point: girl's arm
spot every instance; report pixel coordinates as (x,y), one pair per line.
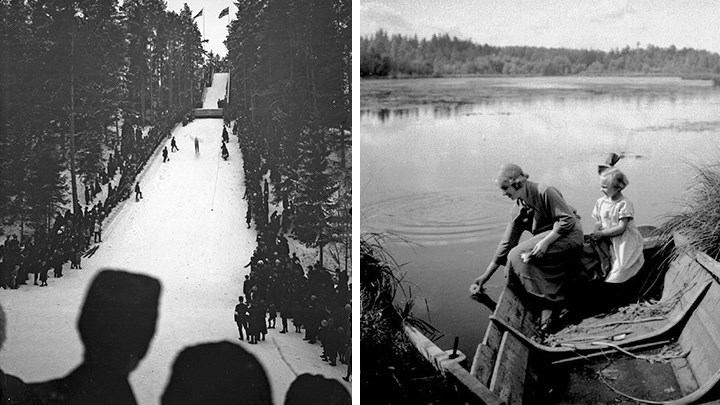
(616,230)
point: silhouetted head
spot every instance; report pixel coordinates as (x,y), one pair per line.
(217,373)
(118,319)
(310,389)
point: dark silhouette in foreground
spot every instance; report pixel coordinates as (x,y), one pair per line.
(217,373)
(11,388)
(311,389)
(116,325)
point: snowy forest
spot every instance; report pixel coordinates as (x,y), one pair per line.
(290,73)
(81,79)
(384,55)
(72,73)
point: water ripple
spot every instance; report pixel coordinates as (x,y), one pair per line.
(439,217)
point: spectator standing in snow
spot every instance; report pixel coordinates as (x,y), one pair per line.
(57,263)
(253,328)
(225,137)
(97,230)
(138,193)
(247,285)
(44,268)
(173,145)
(272,315)
(241,318)
(87,194)
(165,154)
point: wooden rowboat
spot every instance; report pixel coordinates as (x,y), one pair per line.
(666,351)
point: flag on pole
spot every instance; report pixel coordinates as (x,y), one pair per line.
(198,14)
(224,12)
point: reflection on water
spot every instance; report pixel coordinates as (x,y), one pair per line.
(430,150)
(437,218)
(437,112)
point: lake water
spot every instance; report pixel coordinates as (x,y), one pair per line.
(430,148)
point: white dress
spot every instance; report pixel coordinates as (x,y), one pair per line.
(626,249)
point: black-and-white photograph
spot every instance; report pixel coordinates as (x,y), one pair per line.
(539,201)
(175,202)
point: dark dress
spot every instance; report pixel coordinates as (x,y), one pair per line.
(540,210)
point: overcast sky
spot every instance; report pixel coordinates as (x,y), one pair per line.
(589,24)
(215,29)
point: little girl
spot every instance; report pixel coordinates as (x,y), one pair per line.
(613,215)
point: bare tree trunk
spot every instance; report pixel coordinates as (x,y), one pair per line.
(142,96)
(170,85)
(73,182)
(311,79)
(152,97)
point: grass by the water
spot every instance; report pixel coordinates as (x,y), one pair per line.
(698,221)
(393,371)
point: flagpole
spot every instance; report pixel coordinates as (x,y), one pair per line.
(203,26)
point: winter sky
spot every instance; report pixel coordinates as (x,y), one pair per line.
(215,28)
(585,24)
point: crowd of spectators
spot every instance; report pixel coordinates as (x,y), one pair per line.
(71,234)
(316,299)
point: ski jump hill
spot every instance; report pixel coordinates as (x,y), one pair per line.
(189,232)
(218,91)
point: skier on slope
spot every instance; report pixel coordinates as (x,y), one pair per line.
(224,152)
(173,145)
(165,154)
(138,193)
(225,137)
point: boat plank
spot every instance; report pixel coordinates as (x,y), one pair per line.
(441,361)
(679,277)
(480,368)
(711,265)
(513,311)
(508,378)
(684,375)
(704,355)
(492,340)
(479,390)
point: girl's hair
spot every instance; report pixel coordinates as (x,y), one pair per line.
(617,177)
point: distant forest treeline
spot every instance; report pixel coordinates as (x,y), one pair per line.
(399,56)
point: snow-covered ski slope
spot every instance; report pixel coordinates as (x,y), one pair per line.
(189,231)
(217,91)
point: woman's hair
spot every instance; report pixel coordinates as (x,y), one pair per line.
(617,178)
(511,174)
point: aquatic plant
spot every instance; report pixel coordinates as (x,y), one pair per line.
(392,371)
(698,220)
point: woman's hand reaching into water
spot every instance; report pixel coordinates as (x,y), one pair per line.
(478,285)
